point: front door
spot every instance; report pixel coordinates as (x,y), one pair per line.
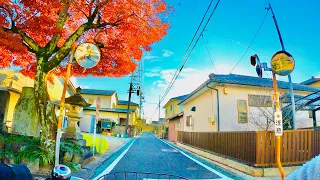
(4,100)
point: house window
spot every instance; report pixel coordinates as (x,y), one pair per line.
(242,111)
(181,108)
(166,111)
(259,100)
(189,121)
(171,107)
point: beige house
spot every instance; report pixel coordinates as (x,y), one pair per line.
(111,109)
(174,116)
(237,103)
(11,84)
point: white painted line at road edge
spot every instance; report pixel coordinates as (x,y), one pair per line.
(115,162)
(223,177)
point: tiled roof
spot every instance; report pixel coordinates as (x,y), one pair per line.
(180,97)
(310,81)
(262,82)
(250,81)
(159,122)
(121,102)
(108,109)
(177,98)
(97,92)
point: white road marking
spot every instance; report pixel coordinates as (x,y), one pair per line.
(223,177)
(114,163)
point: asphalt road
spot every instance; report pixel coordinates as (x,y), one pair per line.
(149,154)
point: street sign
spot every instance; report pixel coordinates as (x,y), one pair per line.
(282,63)
(278,129)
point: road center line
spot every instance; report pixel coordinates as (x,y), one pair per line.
(115,162)
(223,177)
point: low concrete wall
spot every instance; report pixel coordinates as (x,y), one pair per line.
(250,170)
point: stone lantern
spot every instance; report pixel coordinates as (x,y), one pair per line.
(74,111)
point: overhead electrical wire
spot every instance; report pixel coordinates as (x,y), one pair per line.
(183,60)
(187,58)
(254,37)
(205,44)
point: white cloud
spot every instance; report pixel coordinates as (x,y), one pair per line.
(167,53)
(148,57)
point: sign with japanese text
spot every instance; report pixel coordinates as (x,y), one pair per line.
(278,128)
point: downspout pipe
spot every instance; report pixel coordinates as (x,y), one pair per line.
(218,104)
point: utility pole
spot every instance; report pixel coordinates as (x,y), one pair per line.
(129,102)
(159,107)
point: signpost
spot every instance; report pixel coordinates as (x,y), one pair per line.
(98,104)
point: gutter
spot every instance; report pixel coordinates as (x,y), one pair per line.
(218,105)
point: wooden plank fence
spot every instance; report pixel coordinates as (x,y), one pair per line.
(257,147)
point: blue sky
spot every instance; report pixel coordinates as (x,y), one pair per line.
(230,30)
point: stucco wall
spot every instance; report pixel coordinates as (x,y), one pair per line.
(206,106)
(175,108)
(172,131)
(105,100)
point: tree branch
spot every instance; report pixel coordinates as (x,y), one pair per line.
(29,41)
(63,16)
(66,47)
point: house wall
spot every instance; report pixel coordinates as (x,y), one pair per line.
(175,108)
(206,106)
(174,127)
(54,90)
(124,106)
(316,84)
(105,100)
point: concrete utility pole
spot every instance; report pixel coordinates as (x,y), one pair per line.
(129,102)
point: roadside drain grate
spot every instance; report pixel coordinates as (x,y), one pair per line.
(169,150)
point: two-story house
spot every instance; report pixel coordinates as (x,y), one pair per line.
(111,109)
(173,115)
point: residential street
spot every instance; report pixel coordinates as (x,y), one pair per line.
(149,154)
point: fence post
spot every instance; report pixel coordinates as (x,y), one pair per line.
(257,147)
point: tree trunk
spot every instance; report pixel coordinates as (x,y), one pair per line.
(45,109)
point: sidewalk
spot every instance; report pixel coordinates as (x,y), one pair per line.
(226,168)
(115,144)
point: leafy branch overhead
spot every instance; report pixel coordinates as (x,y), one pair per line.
(123,29)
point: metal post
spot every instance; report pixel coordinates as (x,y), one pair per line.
(62,105)
(129,102)
(289,76)
(278,138)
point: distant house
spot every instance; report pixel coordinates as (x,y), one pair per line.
(11,84)
(111,109)
(236,102)
(174,116)
(313,81)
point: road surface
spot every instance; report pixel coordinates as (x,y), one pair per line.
(149,154)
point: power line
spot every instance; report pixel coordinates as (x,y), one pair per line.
(205,43)
(174,78)
(254,37)
(180,64)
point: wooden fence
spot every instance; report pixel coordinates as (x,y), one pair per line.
(257,147)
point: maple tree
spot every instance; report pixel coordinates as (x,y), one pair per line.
(37,36)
